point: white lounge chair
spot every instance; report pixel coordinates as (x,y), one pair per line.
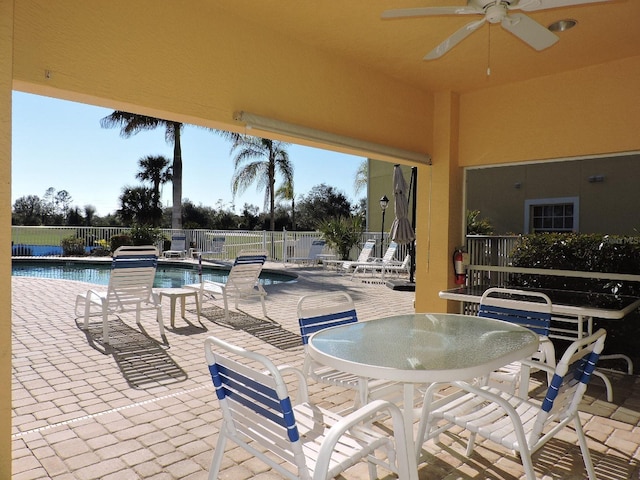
(213,246)
(296,439)
(130,288)
(365,255)
(315,250)
(178,247)
(397,267)
(242,282)
(375,264)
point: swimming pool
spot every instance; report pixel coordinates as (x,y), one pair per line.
(168,275)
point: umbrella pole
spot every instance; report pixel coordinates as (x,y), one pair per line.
(414,189)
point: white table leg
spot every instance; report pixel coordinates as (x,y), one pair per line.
(412,461)
(173,310)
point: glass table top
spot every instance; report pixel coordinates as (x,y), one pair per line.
(423,347)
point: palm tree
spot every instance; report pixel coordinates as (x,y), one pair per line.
(156,170)
(286,192)
(135,206)
(362,177)
(132,123)
(258,160)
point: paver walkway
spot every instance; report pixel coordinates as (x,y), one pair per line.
(140,410)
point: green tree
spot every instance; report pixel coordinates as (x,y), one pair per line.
(89,214)
(155,169)
(135,206)
(320,203)
(258,160)
(285,192)
(63,203)
(132,123)
(27,210)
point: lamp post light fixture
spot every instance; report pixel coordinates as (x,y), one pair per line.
(384,203)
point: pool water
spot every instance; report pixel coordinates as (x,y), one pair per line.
(167,276)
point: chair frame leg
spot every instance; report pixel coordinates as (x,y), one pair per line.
(584,448)
(218,455)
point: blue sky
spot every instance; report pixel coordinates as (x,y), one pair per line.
(60,144)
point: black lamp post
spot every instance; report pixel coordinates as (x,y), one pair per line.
(384,202)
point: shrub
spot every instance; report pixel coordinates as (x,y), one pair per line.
(588,253)
(578,252)
(72,246)
(119,240)
(342,233)
(477,225)
(145,235)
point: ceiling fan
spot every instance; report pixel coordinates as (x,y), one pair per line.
(493,11)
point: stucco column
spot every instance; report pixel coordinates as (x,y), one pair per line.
(6,76)
(440,208)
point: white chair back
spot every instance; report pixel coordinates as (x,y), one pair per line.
(256,409)
(133,270)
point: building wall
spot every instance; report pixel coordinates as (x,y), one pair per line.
(608,205)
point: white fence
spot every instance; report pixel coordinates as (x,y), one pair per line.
(217,244)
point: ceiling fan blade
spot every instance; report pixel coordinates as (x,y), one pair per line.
(454,39)
(532,5)
(529,31)
(428,11)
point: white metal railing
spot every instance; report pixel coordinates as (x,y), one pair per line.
(489,251)
(490,263)
(218,244)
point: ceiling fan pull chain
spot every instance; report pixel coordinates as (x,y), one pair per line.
(489,52)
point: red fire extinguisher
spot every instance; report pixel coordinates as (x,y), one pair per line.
(458,267)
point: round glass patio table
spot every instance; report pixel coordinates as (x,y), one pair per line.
(422,348)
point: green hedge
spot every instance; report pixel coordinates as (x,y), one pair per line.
(588,253)
(578,252)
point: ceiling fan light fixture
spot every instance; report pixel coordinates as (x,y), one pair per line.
(562,25)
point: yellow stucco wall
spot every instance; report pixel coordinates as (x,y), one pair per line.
(6,25)
(591,111)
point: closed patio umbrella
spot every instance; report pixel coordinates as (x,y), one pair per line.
(401,229)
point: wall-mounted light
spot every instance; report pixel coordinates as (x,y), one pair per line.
(369,149)
(596,178)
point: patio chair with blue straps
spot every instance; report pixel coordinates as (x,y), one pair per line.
(130,288)
(527,308)
(323,310)
(518,424)
(298,440)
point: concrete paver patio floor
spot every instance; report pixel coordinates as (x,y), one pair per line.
(140,409)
